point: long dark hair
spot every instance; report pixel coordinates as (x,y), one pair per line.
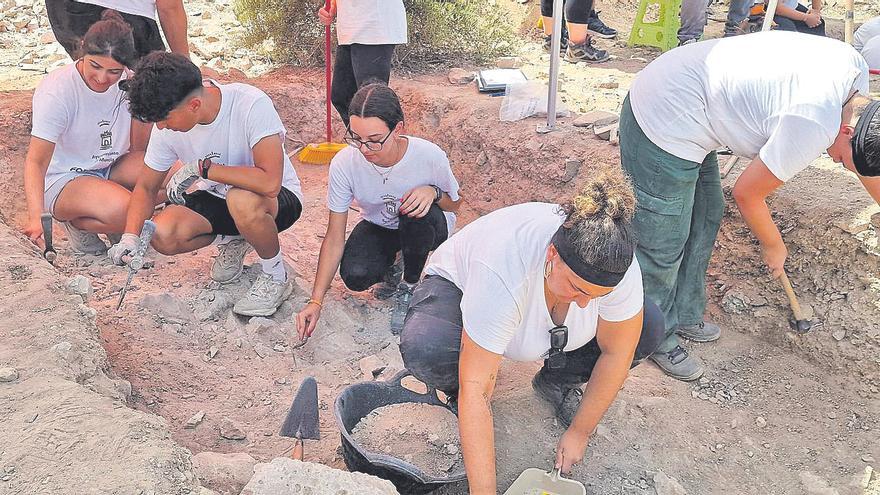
(377,100)
(110,37)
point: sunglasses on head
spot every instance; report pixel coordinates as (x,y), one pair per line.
(558,340)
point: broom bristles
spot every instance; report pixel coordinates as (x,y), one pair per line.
(320,154)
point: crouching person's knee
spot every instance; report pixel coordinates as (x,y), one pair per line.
(653,331)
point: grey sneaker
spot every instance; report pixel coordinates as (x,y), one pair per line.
(264,296)
(585,52)
(678,364)
(701,332)
(82,241)
(388,286)
(565,399)
(229,264)
(401,305)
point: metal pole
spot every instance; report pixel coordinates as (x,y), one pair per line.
(768,15)
(555,41)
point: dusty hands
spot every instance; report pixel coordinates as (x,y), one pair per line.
(306,320)
(570,449)
(417,202)
(126,246)
(182,180)
(813,19)
(327,16)
(34,230)
(774,257)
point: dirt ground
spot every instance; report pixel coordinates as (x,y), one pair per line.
(776,412)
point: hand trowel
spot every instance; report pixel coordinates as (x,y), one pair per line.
(534,481)
(301,422)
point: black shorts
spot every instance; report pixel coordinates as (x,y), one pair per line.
(71,20)
(216,211)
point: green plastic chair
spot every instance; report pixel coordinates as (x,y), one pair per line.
(662,34)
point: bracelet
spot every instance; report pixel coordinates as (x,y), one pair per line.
(438,192)
(315,301)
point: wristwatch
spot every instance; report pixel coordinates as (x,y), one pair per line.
(438,192)
(204,166)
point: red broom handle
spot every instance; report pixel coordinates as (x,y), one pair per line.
(327,75)
(874,71)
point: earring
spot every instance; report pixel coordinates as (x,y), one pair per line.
(548,267)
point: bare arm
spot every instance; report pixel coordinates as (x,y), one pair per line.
(264,177)
(477,370)
(618,341)
(140,135)
(447,204)
(750,192)
(328,262)
(143,199)
(172,17)
(35,165)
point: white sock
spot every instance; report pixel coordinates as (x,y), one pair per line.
(274,266)
(223,239)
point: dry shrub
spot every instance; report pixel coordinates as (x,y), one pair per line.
(441,32)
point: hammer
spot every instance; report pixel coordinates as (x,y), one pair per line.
(49,251)
(801,324)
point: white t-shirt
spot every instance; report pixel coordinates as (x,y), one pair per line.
(90,130)
(370,22)
(145,8)
(246,116)
(868,30)
(498,261)
(378,190)
(871,52)
(763,94)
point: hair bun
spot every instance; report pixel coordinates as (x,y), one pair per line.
(606,194)
(111,15)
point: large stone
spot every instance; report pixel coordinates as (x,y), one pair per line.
(284,475)
(8,374)
(665,485)
(231,431)
(223,473)
(80,285)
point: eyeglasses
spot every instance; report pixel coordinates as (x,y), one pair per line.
(371,145)
(558,340)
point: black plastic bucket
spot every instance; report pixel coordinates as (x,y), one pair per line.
(359,400)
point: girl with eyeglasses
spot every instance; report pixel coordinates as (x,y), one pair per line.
(85,149)
(407,196)
(535,281)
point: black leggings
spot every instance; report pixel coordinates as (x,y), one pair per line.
(431,340)
(356,65)
(71,20)
(371,249)
(576,11)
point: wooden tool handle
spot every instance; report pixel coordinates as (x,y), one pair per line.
(297,450)
(792,298)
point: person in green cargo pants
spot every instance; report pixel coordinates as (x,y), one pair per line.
(765,98)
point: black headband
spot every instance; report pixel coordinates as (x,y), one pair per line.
(591,273)
(859,138)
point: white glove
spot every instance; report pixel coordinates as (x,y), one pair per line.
(182,180)
(126,246)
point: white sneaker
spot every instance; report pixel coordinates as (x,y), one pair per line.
(264,296)
(229,264)
(82,241)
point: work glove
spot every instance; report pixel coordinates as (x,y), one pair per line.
(182,180)
(127,246)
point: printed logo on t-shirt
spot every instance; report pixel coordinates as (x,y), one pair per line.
(211,156)
(391,209)
(106,135)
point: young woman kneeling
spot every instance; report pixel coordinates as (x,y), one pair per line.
(407,194)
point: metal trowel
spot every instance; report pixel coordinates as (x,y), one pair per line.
(301,422)
(534,481)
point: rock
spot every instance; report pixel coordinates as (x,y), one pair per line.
(166,306)
(508,63)
(79,285)
(231,431)
(838,334)
(452,449)
(212,352)
(572,167)
(207,15)
(605,132)
(434,440)
(868,458)
(265,331)
(875,220)
(735,302)
(664,485)
(223,473)
(195,420)
(371,367)
(8,375)
(47,38)
(460,76)
(261,350)
(609,84)
(760,422)
(853,227)
(590,118)
(284,475)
